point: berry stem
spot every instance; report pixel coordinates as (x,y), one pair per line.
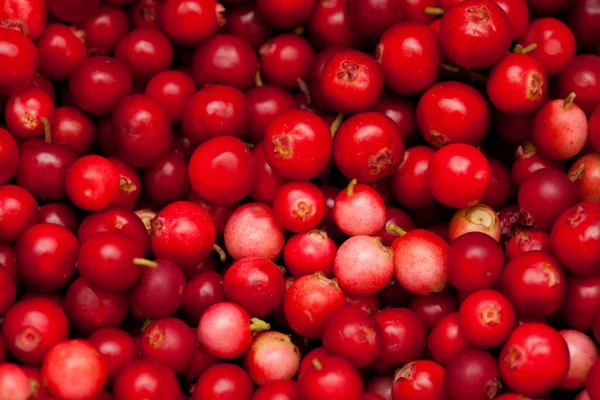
(257,79)
(577,174)
(147,322)
(336,123)
(526,151)
(396,229)
(350,188)
(299,30)
(450,68)
(145,263)
(219,250)
(434,11)
(258,325)
(303,86)
(317,364)
(529,48)
(569,100)
(47,130)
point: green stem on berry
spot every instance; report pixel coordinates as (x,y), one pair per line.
(147,322)
(257,79)
(336,123)
(396,229)
(303,86)
(145,263)
(317,364)
(350,188)
(577,174)
(47,130)
(219,250)
(524,50)
(434,11)
(258,325)
(569,100)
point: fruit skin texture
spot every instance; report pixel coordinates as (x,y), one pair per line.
(472,374)
(285,14)
(404,335)
(582,353)
(413,173)
(271,356)
(572,244)
(368,147)
(92,182)
(309,252)
(330,378)
(189,22)
(13,382)
(560,129)
(74,369)
(19,60)
(149,379)
(359,210)
(582,76)
(409,43)
(117,347)
(299,206)
(446,340)
(170,341)
(421,379)
(475,24)
(420,262)
(585,174)
(534,360)
(223,381)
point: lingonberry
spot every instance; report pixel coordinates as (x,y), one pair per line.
(359,210)
(171,90)
(201,292)
(31,327)
(330,377)
(160,291)
(255,283)
(285,14)
(581,21)
(190,22)
(466,115)
(582,354)
(473,374)
(500,188)
(394,217)
(297,145)
(47,254)
(365,303)
(222,180)
(316,293)
(475,23)
(372,18)
(404,335)
(380,385)
(528,161)
(268,182)
(28,112)
(253,231)
(413,173)
(419,379)
(216,110)
(225,330)
(98,83)
(415,10)
(13,381)
(363,265)
(28,17)
(8,262)
(118,349)
(402,112)
(582,76)
(283,389)
(306,362)
(72,10)
(299,206)
(525,241)
(478,218)
(90,309)
(420,261)
(104,28)
(9,292)
(225,381)
(182,232)
(585,174)
(74,369)
(145,52)
(219,213)
(534,360)
(114,220)
(73,128)
(19,59)
(60,51)
(351,82)
(43,167)
(446,340)
(434,307)
(167,181)
(368,147)
(526,81)
(535,284)
(146,379)
(409,43)
(145,13)
(310,252)
(486,319)
(92,182)
(553,44)
(285,59)
(170,341)
(518,14)
(243,21)
(329,26)
(265,103)
(560,129)
(225,59)
(271,356)
(182,146)
(545,194)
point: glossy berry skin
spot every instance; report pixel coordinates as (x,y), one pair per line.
(404,335)
(359,210)
(265,103)
(330,377)
(190,22)
(141,130)
(402,112)
(285,14)
(534,360)
(545,194)
(474,23)
(409,43)
(582,76)
(19,60)
(98,83)
(534,283)
(475,262)
(32,327)
(201,292)
(556,44)
(528,161)
(329,26)
(446,340)
(309,252)
(145,52)
(500,188)
(372,18)
(466,115)
(268,182)
(171,90)
(255,283)
(284,59)
(47,254)
(351,82)
(19,211)
(223,381)
(60,51)
(272,356)
(243,21)
(560,129)
(585,172)
(167,180)
(297,145)
(299,206)
(92,182)
(571,243)
(183,233)
(525,241)
(354,335)
(24,112)
(146,379)
(582,354)
(14,382)
(29,17)
(9,292)
(394,217)
(104,28)
(472,374)
(225,59)
(170,341)
(421,379)
(368,147)
(286,389)
(160,290)
(117,347)
(74,369)
(477,218)
(73,128)
(316,293)
(222,179)
(459,175)
(527,81)
(486,319)
(413,173)
(215,110)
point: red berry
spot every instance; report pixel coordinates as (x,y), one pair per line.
(9,156)
(19,60)
(29,17)
(372,18)
(413,173)
(268,182)
(582,76)
(73,128)
(472,374)
(446,339)
(145,13)
(477,218)
(146,379)
(330,377)
(13,382)
(28,112)
(104,28)
(500,188)
(170,341)
(285,59)
(359,210)
(118,349)
(525,241)
(92,182)
(145,52)
(528,161)
(190,22)
(309,252)
(283,389)
(582,355)
(518,14)
(329,26)
(402,112)
(285,14)
(201,292)
(171,90)
(115,220)
(272,356)
(404,335)
(265,103)
(420,379)
(160,291)
(299,206)
(226,381)
(585,174)
(582,21)
(242,20)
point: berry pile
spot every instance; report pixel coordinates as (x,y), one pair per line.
(299,199)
